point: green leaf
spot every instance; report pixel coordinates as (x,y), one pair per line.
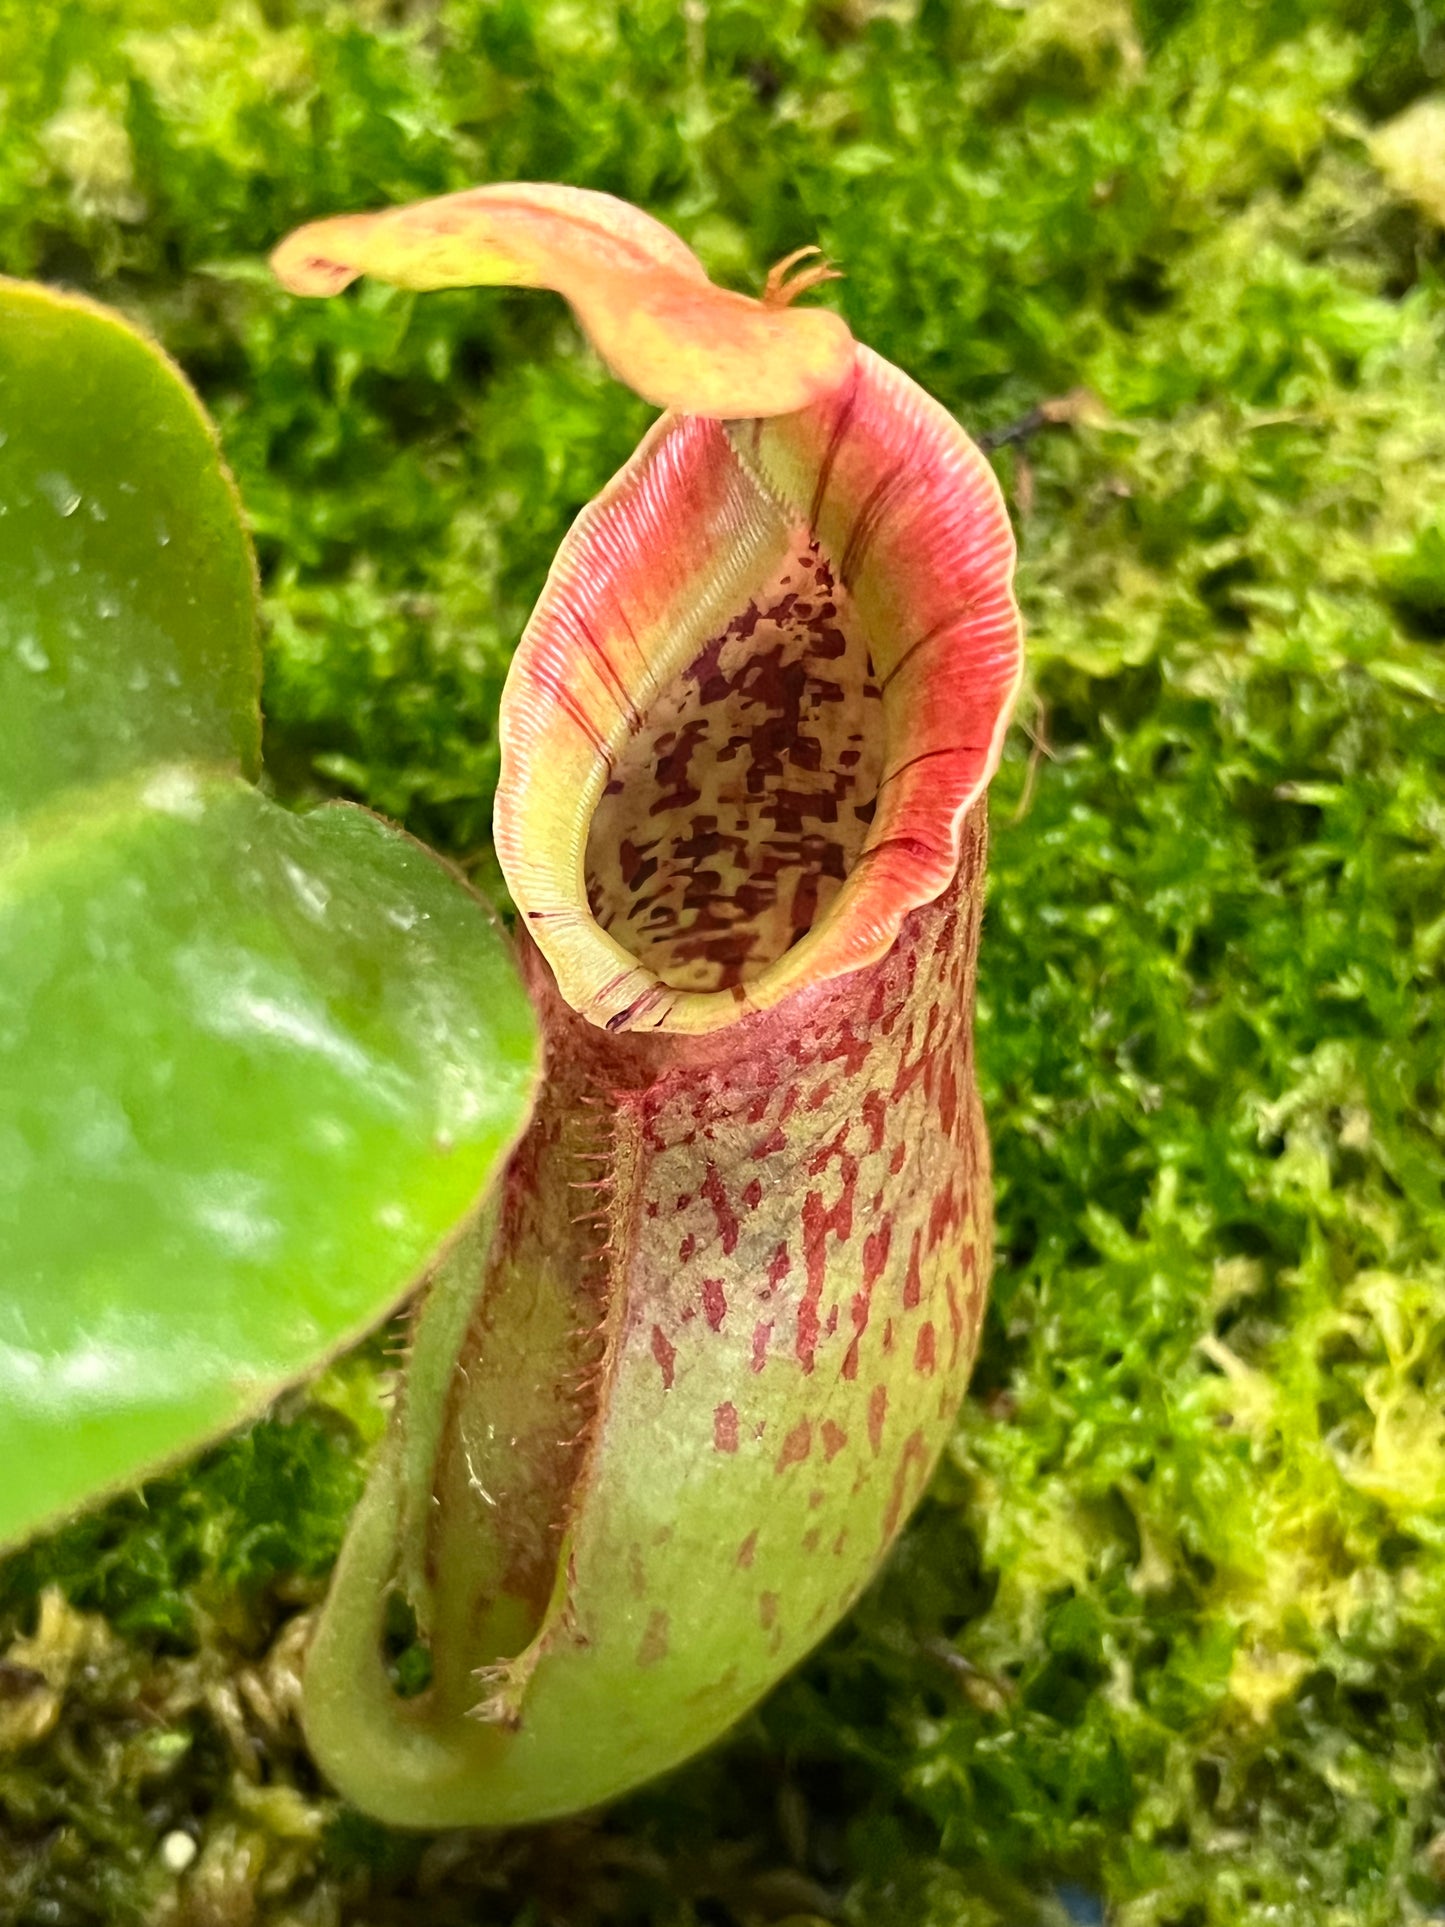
(127,588)
(257,1066)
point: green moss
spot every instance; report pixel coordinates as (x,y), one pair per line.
(1171,1627)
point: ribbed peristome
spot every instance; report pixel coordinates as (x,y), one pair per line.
(877,505)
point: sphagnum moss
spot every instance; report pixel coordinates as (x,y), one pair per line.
(1168,1632)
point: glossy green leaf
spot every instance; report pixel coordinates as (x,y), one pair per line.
(127,588)
(254,1068)
(257,1066)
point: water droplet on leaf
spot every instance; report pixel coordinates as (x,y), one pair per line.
(174,792)
(61,493)
(311,890)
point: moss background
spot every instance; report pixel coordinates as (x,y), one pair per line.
(1166,1645)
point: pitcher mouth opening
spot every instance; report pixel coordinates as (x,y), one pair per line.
(769,674)
(743,797)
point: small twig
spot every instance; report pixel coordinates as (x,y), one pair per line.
(1064,411)
(1039,748)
